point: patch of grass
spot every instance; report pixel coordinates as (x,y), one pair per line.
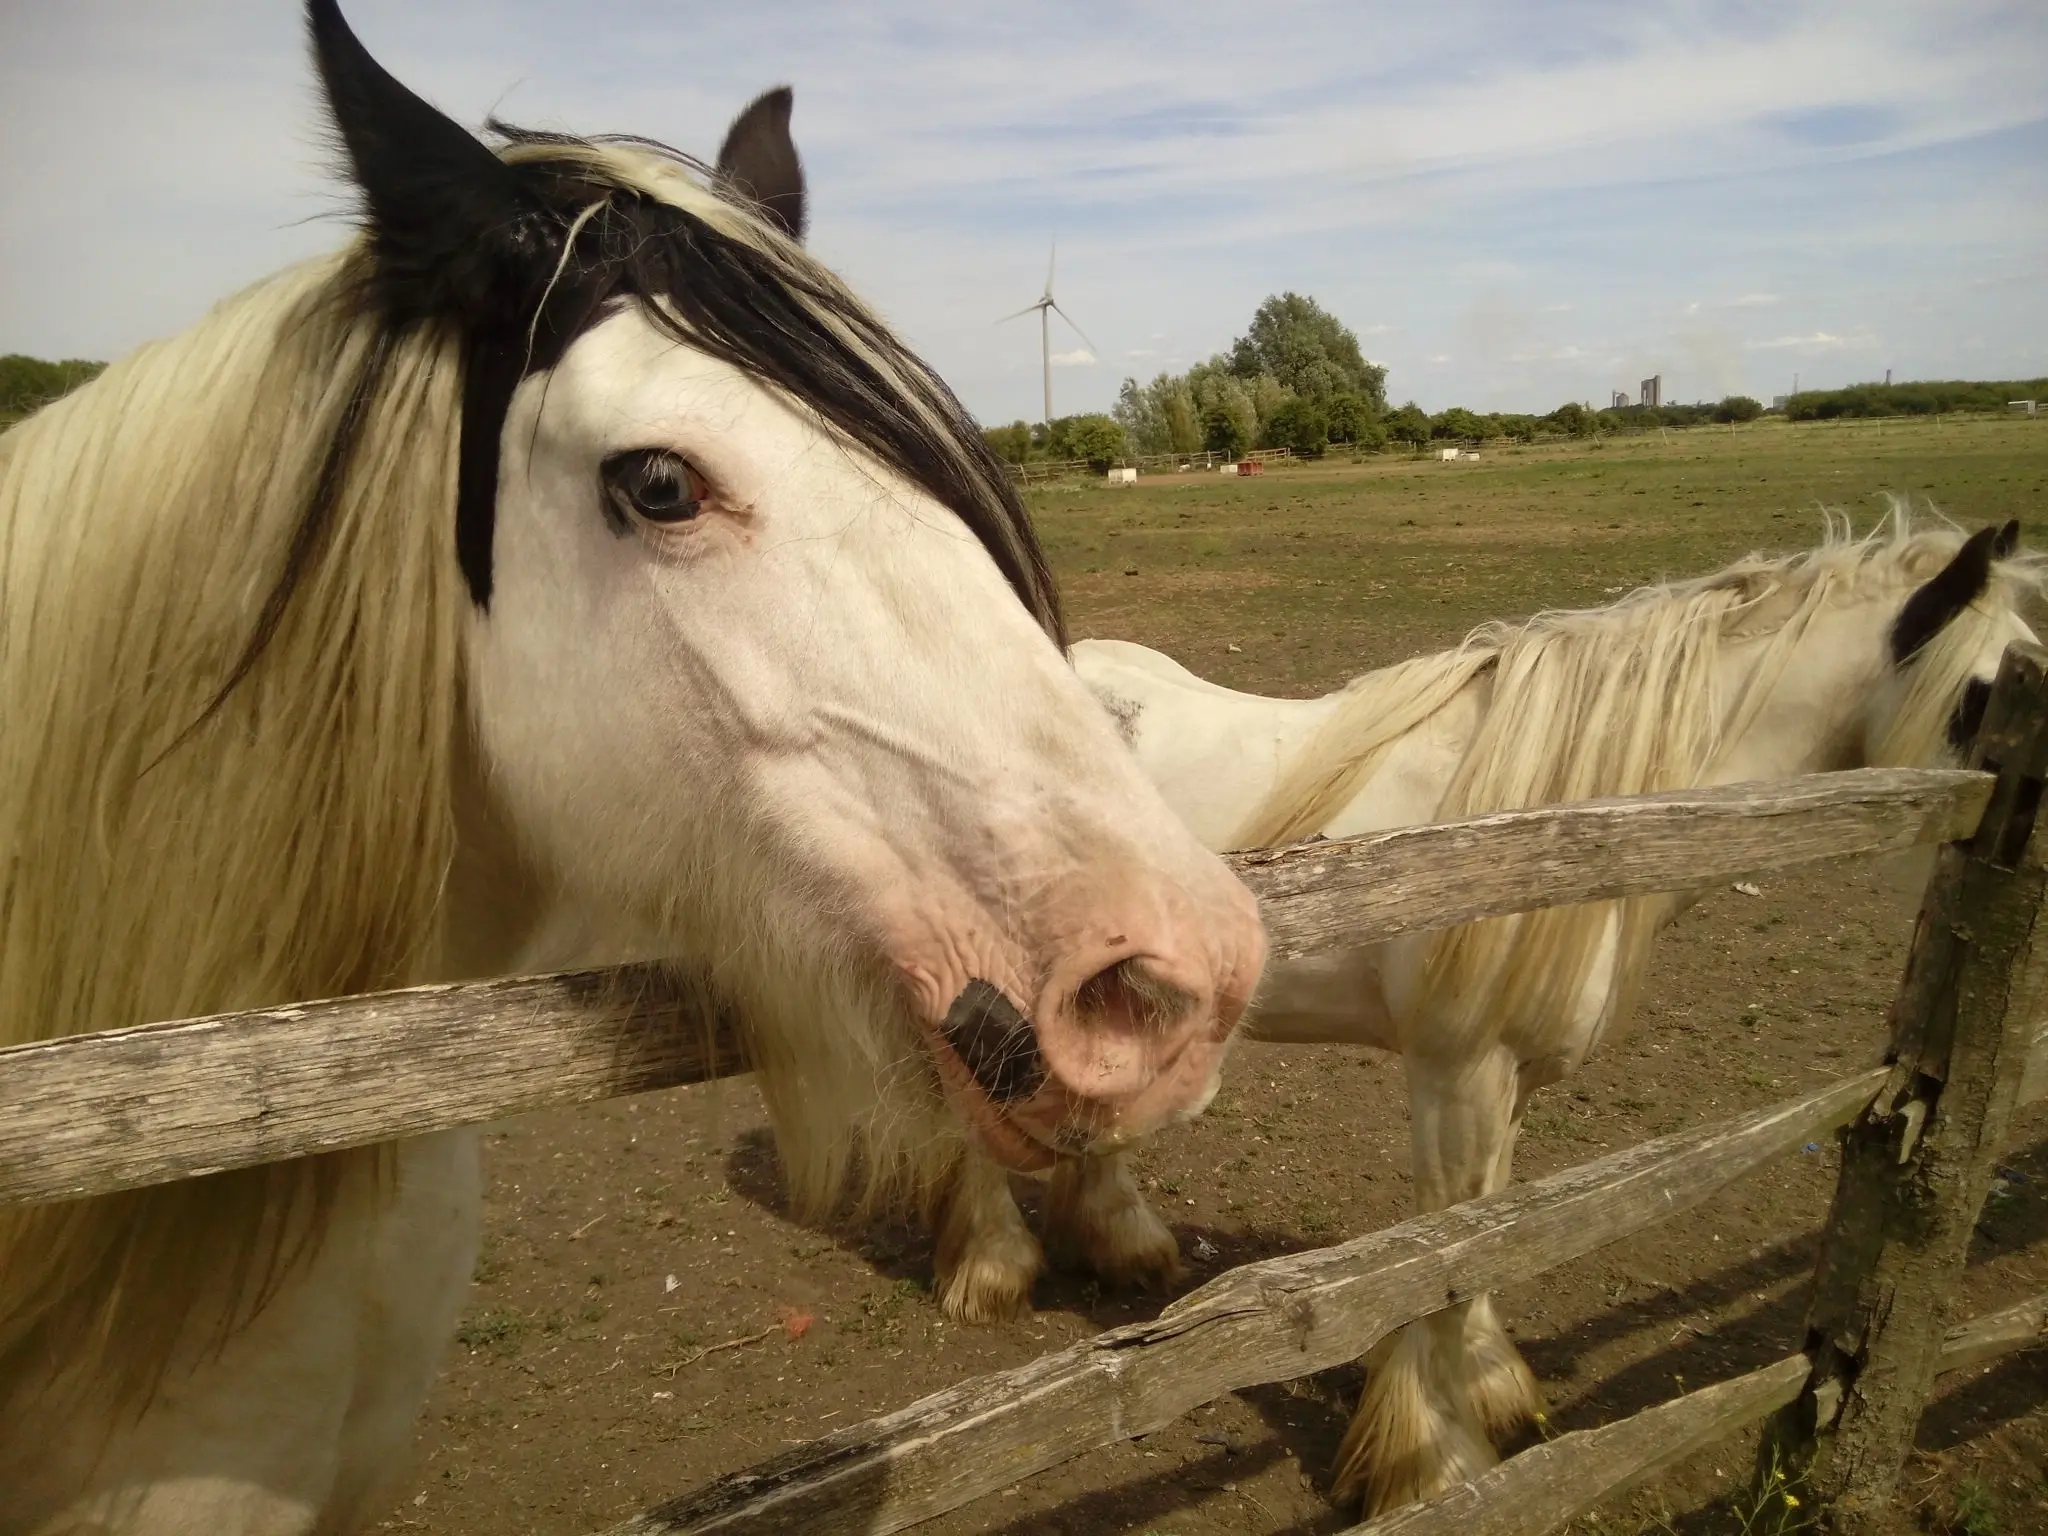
(1976,1511)
(498,1328)
(1291,557)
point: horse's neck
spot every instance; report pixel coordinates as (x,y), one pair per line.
(1215,754)
(1809,718)
(1410,781)
(502,918)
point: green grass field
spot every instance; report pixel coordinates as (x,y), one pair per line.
(1320,571)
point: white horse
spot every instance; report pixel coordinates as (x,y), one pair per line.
(567,570)
(1876,650)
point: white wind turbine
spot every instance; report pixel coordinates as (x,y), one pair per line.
(1048,305)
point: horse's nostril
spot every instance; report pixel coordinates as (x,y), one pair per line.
(996,1041)
(1128,996)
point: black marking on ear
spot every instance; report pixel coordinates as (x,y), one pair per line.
(1968,715)
(2008,540)
(454,234)
(996,1041)
(1947,593)
(759,161)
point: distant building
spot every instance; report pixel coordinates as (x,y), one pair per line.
(1779,402)
(1621,400)
(1653,391)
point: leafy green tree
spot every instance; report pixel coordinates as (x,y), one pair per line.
(1738,408)
(1571,418)
(1011,443)
(1223,431)
(1268,394)
(1139,412)
(1457,423)
(1095,437)
(1408,425)
(1183,419)
(1299,424)
(1308,350)
(1351,416)
(1215,388)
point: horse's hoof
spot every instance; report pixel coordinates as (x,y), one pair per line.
(1096,1219)
(988,1287)
(1504,1394)
(1380,1478)
(1409,1440)
(1135,1250)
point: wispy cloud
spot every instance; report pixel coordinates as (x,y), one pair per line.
(1815,341)
(1483,169)
(1080,357)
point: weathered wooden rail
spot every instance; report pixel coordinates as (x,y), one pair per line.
(89,1114)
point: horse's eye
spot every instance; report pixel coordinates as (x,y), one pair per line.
(654,485)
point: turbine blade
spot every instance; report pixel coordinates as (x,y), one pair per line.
(1050,262)
(1028,309)
(1070,322)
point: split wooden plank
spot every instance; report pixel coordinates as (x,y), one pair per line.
(90,1114)
(1549,1484)
(1270,1321)
(170,1101)
(1363,889)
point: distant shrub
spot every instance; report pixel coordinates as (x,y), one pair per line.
(1352,417)
(1738,408)
(1223,431)
(1298,424)
(29,383)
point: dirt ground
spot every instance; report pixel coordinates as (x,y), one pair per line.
(646,1318)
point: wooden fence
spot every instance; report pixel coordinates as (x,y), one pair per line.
(124,1108)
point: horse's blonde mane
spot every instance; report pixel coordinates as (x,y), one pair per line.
(201,813)
(167,858)
(1624,700)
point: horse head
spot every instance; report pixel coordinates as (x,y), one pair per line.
(762,660)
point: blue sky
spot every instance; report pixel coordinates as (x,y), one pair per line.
(1513,204)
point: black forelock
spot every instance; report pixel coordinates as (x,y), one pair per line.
(726,297)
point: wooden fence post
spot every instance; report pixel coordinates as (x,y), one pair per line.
(1917,1165)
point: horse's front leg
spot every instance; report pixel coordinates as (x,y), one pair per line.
(985,1256)
(1096,1219)
(1440,1389)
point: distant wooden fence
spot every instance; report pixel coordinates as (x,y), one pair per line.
(124,1108)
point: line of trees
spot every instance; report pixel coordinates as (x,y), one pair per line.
(1928,398)
(29,383)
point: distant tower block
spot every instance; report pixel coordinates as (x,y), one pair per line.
(1887,378)
(1653,391)
(1621,400)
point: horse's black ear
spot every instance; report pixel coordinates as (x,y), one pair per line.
(1947,593)
(445,214)
(758,160)
(2007,541)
